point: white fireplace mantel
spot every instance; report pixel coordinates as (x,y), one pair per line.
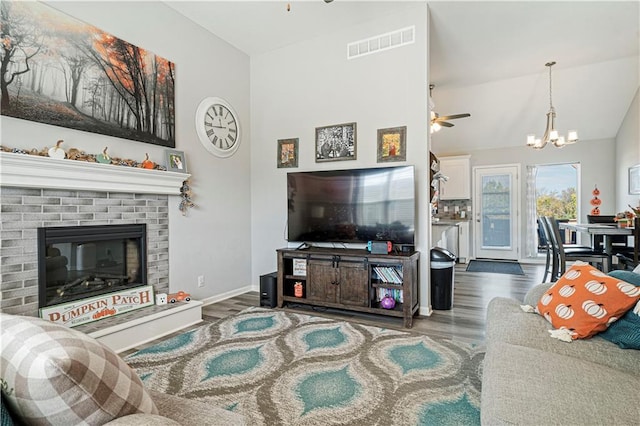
(31,171)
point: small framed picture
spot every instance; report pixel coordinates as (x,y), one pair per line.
(337,142)
(300,267)
(392,144)
(634,179)
(175,161)
(287,153)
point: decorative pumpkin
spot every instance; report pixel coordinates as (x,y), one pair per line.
(564,311)
(596,191)
(595,211)
(148,164)
(567,291)
(546,299)
(595,201)
(596,287)
(104,157)
(597,273)
(628,289)
(593,309)
(56,151)
(388,302)
(572,274)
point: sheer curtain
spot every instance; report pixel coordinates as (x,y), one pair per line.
(531,216)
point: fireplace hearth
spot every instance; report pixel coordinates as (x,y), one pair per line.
(79,262)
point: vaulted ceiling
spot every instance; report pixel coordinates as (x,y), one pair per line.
(486,58)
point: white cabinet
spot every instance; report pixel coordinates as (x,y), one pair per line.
(458,170)
(463,242)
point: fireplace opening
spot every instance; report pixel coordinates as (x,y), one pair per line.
(79,262)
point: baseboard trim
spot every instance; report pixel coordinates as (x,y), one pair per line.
(229,294)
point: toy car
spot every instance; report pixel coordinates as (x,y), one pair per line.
(176,297)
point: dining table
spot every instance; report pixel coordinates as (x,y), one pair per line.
(606,230)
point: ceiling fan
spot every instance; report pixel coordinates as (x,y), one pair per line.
(438,121)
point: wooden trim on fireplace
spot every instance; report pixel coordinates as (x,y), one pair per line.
(32,171)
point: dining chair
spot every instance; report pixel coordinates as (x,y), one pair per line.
(630,260)
(563,253)
(545,242)
(552,264)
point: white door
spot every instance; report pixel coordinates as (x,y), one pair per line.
(496,203)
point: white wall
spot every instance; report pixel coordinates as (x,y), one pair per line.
(312,84)
(597,164)
(627,155)
(213,240)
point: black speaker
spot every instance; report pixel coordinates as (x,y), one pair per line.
(269,290)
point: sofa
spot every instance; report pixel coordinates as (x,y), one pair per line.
(529,377)
(54,375)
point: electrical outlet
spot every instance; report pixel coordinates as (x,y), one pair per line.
(201,281)
(468,208)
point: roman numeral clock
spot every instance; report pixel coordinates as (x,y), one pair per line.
(218,127)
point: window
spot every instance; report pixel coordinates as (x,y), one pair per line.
(557,191)
(552,190)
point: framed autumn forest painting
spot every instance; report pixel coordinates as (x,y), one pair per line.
(60,71)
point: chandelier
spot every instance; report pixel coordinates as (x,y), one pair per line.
(550,133)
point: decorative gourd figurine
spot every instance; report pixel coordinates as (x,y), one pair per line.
(56,151)
(148,164)
(388,302)
(104,157)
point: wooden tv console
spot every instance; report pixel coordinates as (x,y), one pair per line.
(349,279)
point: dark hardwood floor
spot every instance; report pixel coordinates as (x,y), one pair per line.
(464,322)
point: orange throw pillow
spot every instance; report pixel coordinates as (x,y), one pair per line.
(585,301)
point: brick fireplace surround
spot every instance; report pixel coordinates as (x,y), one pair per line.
(40,191)
(26,209)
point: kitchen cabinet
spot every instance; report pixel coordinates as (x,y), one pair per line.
(453,236)
(445,235)
(458,170)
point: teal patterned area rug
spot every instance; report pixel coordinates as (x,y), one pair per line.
(282,368)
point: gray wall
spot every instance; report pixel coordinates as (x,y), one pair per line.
(312,84)
(627,155)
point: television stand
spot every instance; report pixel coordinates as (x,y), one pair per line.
(351,279)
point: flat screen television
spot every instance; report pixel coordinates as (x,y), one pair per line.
(352,206)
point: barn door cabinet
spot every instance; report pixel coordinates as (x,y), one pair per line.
(349,279)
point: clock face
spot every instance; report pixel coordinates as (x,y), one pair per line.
(218,127)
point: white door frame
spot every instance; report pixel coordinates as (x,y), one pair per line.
(513,252)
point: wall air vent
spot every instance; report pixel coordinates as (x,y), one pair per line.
(381,42)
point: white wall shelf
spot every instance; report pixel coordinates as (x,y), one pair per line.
(32,171)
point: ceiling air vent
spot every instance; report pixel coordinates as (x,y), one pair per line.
(381,42)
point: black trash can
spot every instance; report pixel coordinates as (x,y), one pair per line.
(442,267)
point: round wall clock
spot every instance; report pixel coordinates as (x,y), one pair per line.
(218,127)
